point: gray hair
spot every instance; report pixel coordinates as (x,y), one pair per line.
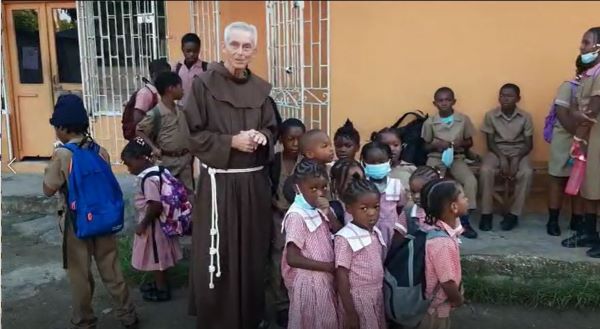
(241,26)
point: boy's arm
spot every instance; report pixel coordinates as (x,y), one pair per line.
(455,298)
(432,144)
(296,259)
(54,177)
(467,138)
(144,128)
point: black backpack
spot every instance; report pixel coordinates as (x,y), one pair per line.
(413,146)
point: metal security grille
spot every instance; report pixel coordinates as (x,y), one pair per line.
(205,22)
(298,56)
(118,39)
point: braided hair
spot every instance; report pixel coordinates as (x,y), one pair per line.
(137,148)
(348,131)
(427,173)
(339,173)
(309,168)
(375,146)
(436,195)
(357,187)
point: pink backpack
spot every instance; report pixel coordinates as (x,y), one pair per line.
(176,217)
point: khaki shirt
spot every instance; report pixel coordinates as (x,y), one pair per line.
(564,98)
(173,136)
(510,133)
(590,86)
(56,173)
(460,129)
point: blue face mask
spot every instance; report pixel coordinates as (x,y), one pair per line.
(301,202)
(378,171)
(448,120)
(448,157)
(590,57)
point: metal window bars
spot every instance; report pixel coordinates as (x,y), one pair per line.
(117,41)
(205,23)
(298,55)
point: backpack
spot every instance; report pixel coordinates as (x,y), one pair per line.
(94,197)
(179,65)
(404,279)
(413,146)
(176,217)
(127,124)
(551,118)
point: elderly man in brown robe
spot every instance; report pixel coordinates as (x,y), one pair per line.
(232,125)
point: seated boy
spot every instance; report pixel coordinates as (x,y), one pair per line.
(447,135)
(71,123)
(509,132)
(166,130)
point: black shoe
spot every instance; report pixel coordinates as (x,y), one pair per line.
(133,325)
(469,232)
(147,287)
(485,223)
(552,228)
(157,296)
(509,222)
(579,240)
(594,252)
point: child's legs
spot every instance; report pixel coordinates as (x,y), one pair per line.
(556,192)
(463,174)
(432,321)
(522,185)
(107,261)
(277,288)
(160,278)
(79,260)
(487,175)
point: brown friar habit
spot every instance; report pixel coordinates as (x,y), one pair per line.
(218,107)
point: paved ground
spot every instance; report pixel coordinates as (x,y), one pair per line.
(35,292)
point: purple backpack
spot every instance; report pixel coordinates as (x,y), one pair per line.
(550,120)
(176,217)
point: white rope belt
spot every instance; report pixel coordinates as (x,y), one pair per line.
(214,226)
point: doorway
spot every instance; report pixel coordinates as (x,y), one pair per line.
(43,63)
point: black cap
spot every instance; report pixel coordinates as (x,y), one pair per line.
(69,111)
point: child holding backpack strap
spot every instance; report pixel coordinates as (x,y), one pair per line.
(444,202)
(71,124)
(153,250)
(359,250)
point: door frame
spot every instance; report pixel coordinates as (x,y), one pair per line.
(9,54)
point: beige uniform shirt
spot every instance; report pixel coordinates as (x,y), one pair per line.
(510,133)
(461,128)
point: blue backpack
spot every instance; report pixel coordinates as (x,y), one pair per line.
(94,197)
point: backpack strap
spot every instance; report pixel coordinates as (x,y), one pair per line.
(275,172)
(418,114)
(204,66)
(437,233)
(158,173)
(178,67)
(156,122)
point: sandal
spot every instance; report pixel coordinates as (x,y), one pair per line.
(147,287)
(157,296)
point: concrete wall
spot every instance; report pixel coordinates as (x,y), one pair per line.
(389,57)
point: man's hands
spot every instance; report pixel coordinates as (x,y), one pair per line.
(248,141)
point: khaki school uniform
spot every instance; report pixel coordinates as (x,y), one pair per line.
(461,128)
(173,141)
(403,171)
(560,145)
(78,254)
(590,87)
(510,134)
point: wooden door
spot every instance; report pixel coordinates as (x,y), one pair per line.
(43,51)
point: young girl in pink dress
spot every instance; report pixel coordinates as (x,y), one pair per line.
(359,250)
(376,158)
(153,251)
(307,264)
(418,179)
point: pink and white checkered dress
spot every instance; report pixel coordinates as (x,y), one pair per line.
(361,252)
(442,264)
(312,295)
(393,196)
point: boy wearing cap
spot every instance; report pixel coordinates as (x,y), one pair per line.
(70,122)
